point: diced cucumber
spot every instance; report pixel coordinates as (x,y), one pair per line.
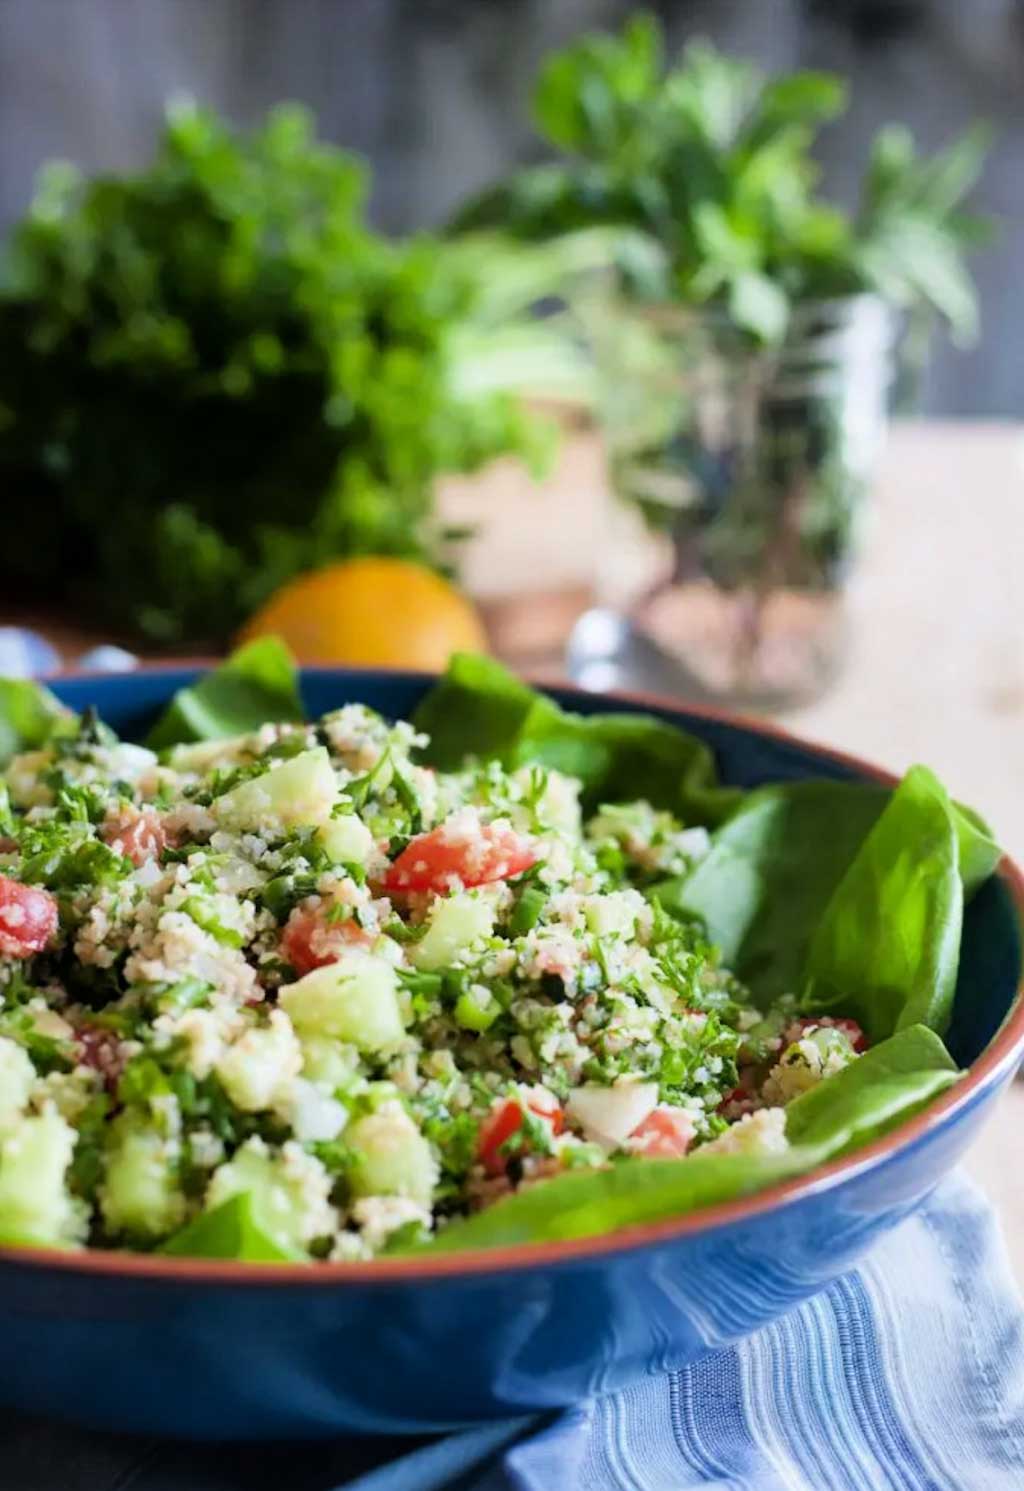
(354,1000)
(300,791)
(393,1158)
(615,913)
(16,1077)
(476,1008)
(454,925)
(202,755)
(313,1113)
(347,839)
(288,1192)
(257,1069)
(328,1060)
(25,777)
(35,1206)
(129,762)
(140,1196)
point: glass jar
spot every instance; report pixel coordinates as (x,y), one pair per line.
(749,469)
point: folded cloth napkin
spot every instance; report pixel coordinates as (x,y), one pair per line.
(906,1375)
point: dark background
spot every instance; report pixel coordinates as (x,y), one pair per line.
(434,93)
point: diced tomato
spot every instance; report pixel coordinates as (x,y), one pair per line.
(100,1050)
(799,1028)
(665,1134)
(499,1126)
(451,855)
(505,1120)
(311,941)
(28,919)
(139,837)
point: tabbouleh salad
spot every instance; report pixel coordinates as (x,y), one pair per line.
(369,996)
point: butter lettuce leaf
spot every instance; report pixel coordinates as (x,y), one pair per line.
(864,1101)
(229,1231)
(258,683)
(29,715)
(763,889)
(771,871)
(887,1085)
(480,709)
(887,948)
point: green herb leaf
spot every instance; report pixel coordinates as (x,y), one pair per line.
(284,891)
(62,856)
(584,95)
(585,1203)
(759,304)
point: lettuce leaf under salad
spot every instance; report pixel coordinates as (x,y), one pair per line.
(888,1084)
(258,683)
(230,1231)
(29,715)
(480,709)
(844,894)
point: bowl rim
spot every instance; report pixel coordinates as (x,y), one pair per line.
(998,1058)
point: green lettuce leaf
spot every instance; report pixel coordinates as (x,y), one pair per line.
(257,683)
(774,866)
(228,1231)
(887,948)
(885,1086)
(480,709)
(865,1100)
(771,871)
(28,715)
(585,1203)
(979,852)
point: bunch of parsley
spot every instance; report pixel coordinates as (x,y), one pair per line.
(213,375)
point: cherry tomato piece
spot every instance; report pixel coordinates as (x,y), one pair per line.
(507,1119)
(665,1134)
(28,919)
(140,838)
(450,856)
(311,941)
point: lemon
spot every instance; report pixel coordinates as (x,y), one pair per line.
(372,612)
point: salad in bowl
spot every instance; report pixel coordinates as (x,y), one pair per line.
(276,989)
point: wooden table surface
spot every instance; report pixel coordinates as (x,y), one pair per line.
(936,671)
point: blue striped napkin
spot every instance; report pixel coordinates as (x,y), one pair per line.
(906,1375)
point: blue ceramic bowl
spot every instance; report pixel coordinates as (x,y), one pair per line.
(221,1350)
